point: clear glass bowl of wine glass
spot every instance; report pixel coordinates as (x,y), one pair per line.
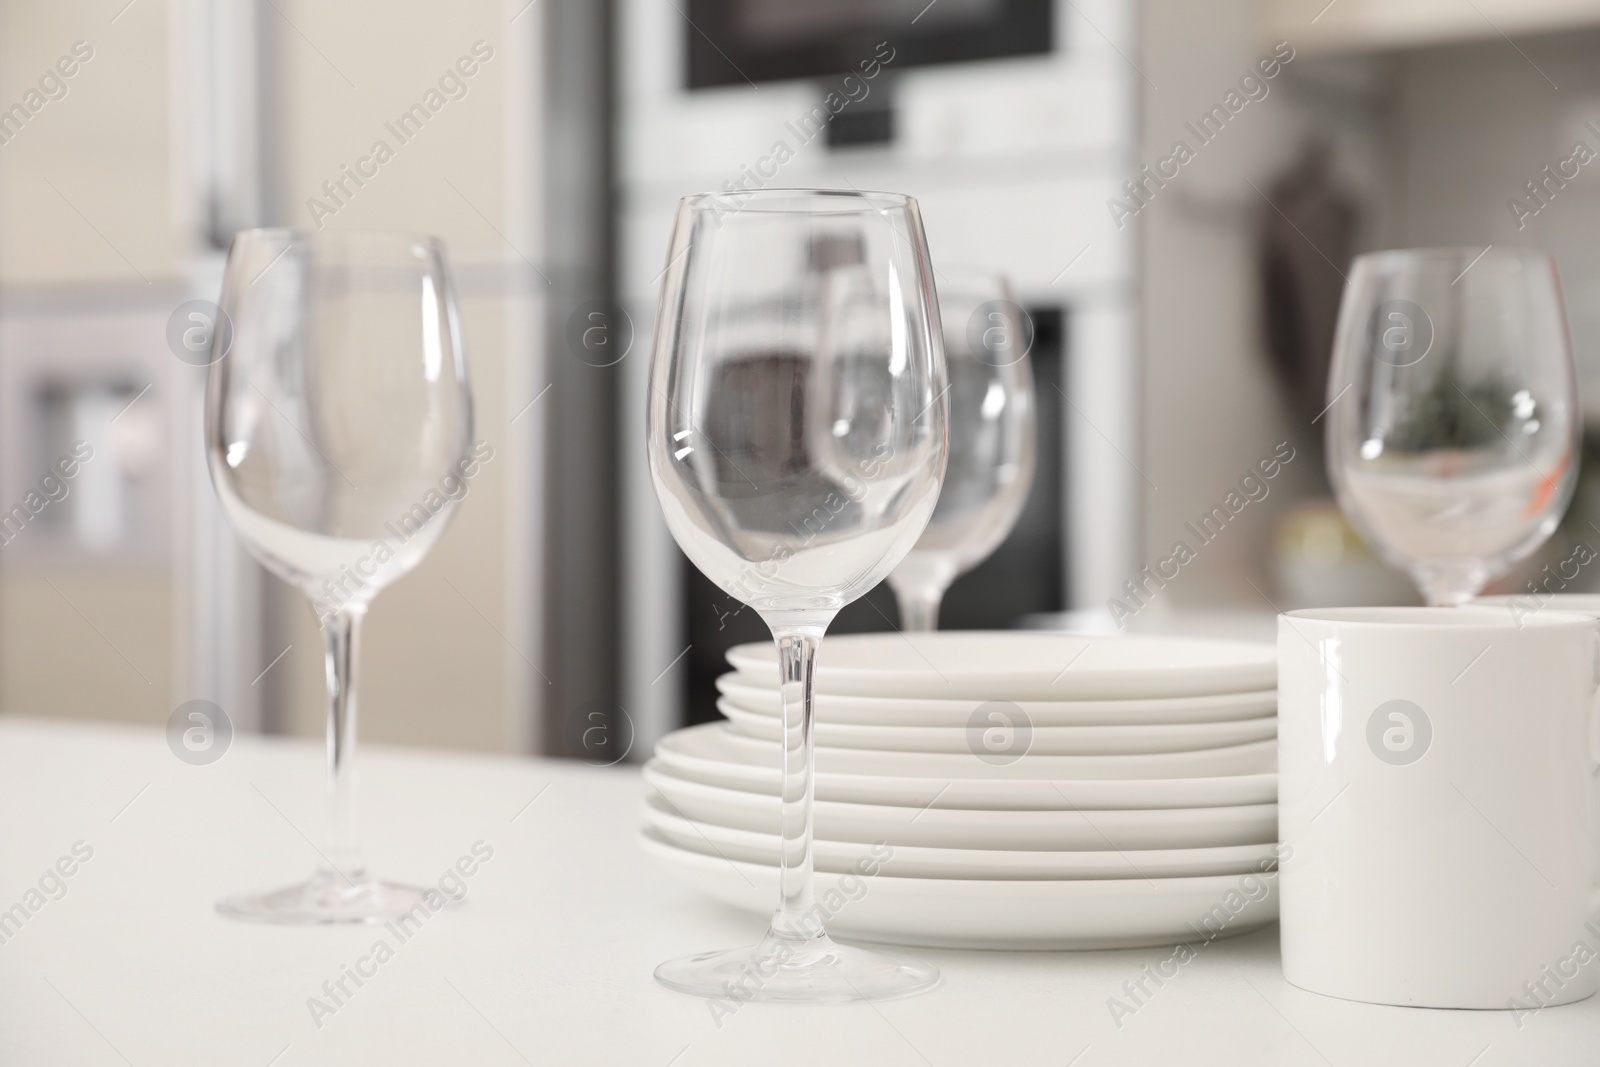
(1453,426)
(987,336)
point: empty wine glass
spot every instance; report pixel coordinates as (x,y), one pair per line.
(796,441)
(1453,422)
(337,432)
(986,482)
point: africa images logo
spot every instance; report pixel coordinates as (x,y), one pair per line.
(1399,732)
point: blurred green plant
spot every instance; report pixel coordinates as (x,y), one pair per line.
(1450,414)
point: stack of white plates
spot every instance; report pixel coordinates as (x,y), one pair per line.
(1005,789)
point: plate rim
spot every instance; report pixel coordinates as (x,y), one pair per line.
(1251,809)
(761,656)
(1266,781)
(1147,853)
(1063,732)
(1123,762)
(1107,885)
(734,679)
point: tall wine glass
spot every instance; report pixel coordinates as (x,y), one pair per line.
(338,430)
(797,441)
(1453,422)
(986,341)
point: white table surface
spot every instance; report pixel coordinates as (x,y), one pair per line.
(548,960)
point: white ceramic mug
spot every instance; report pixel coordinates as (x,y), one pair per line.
(1436,794)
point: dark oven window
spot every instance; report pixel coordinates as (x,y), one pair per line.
(733,42)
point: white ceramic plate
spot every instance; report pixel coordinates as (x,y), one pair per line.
(1044,740)
(893,711)
(910,861)
(998,913)
(1024,665)
(1258,757)
(936,827)
(700,754)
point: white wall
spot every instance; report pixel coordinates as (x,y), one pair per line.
(1472,125)
(1212,406)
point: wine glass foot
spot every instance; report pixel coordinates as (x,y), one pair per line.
(783,971)
(328,897)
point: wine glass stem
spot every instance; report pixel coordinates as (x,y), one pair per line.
(919,608)
(1449,587)
(342,634)
(797,654)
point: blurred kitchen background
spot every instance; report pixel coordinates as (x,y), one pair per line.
(1181,324)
